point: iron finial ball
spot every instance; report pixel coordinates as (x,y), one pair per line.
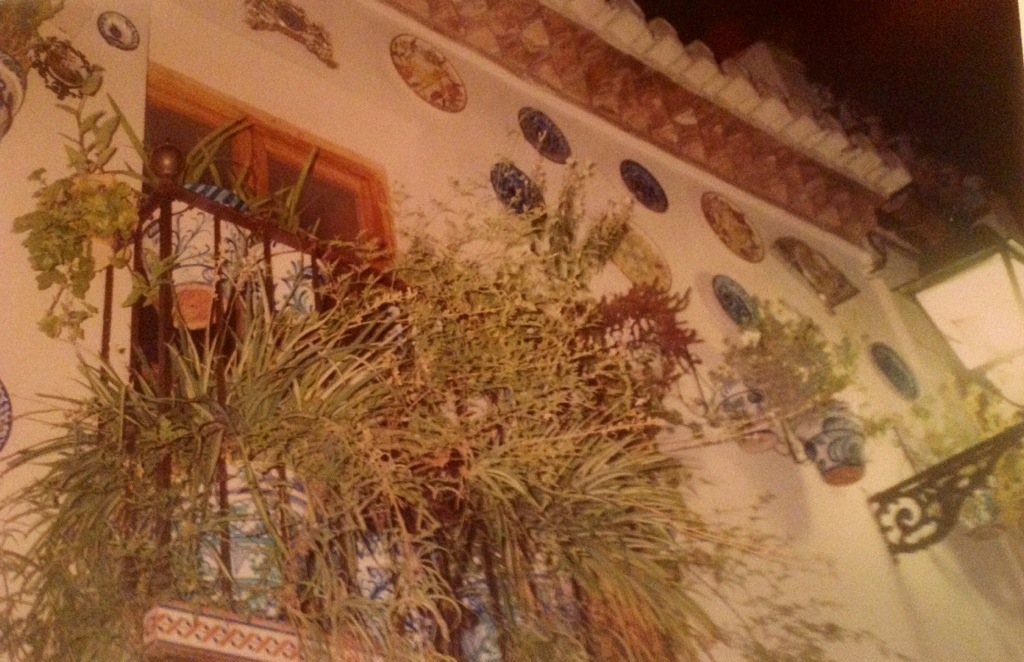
(167,161)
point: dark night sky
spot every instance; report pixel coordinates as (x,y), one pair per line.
(949,72)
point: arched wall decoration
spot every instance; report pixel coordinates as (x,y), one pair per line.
(290,20)
(829,283)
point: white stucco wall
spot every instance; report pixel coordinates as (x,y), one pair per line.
(958,601)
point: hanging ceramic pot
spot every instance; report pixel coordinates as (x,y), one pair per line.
(13,83)
(198,262)
(746,407)
(834,440)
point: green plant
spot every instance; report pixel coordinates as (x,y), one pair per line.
(789,359)
(93,202)
(482,421)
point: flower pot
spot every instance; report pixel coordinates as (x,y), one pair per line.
(13,83)
(198,262)
(746,406)
(293,279)
(834,440)
(254,570)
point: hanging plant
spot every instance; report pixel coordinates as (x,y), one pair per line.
(81,222)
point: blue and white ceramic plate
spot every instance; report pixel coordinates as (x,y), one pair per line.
(895,370)
(6,416)
(643,185)
(737,304)
(545,136)
(118,30)
(515,189)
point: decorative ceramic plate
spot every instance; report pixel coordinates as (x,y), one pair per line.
(118,30)
(895,370)
(737,304)
(6,416)
(643,185)
(545,136)
(428,73)
(12,90)
(830,284)
(640,262)
(731,227)
(515,188)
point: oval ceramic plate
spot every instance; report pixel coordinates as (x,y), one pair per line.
(545,136)
(514,188)
(643,185)
(895,370)
(428,73)
(737,304)
(6,416)
(118,30)
(829,283)
(640,262)
(731,227)
(12,91)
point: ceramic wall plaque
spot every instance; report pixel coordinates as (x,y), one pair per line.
(732,227)
(515,189)
(895,369)
(737,304)
(290,20)
(545,136)
(64,69)
(828,282)
(640,261)
(428,73)
(118,30)
(644,186)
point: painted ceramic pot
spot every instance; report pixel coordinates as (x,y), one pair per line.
(747,407)
(479,642)
(13,83)
(294,278)
(255,562)
(834,441)
(198,261)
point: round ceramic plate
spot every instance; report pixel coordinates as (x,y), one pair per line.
(737,304)
(640,262)
(731,227)
(643,185)
(514,188)
(12,91)
(6,416)
(118,30)
(428,73)
(895,370)
(545,136)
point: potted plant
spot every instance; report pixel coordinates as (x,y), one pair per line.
(19,35)
(800,372)
(81,222)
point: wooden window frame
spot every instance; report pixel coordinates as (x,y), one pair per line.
(179,94)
